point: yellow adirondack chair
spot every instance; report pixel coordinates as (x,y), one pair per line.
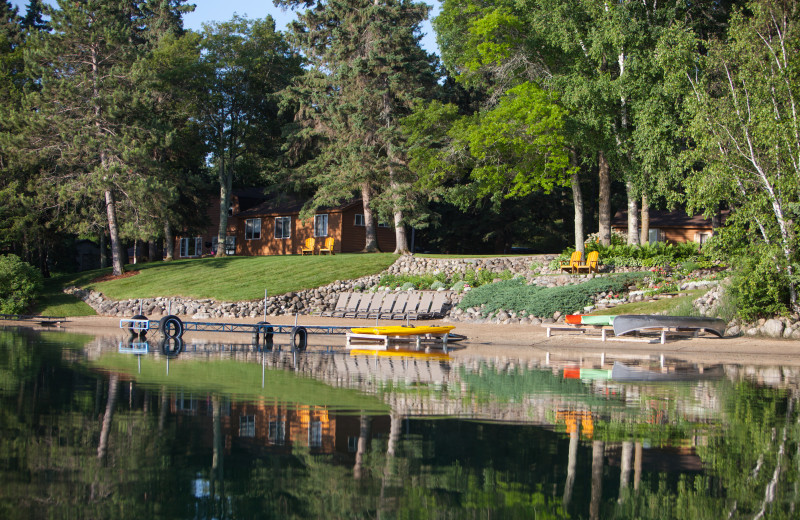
(327,247)
(308,249)
(574,261)
(592,259)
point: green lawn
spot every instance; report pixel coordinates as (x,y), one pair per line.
(235,278)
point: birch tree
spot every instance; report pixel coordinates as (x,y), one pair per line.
(746,128)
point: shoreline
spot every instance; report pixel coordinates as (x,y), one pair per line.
(490,341)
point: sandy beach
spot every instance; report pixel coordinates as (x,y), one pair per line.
(522,342)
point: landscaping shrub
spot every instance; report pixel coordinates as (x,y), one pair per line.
(759,287)
(20,284)
(514,295)
(646,255)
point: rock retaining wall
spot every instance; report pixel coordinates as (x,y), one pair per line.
(533,268)
(527,266)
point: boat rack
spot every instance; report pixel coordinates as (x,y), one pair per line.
(383,341)
(604,329)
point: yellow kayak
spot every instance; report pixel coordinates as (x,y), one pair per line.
(399,353)
(399,330)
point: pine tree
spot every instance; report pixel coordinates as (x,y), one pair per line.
(81,126)
(367,68)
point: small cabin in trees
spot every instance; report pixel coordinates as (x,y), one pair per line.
(260,225)
(669,226)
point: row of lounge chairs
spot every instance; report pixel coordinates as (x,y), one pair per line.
(389,306)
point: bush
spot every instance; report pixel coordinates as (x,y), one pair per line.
(759,287)
(435,286)
(460,286)
(20,284)
(514,295)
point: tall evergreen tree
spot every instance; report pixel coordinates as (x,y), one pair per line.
(32,20)
(81,125)
(367,68)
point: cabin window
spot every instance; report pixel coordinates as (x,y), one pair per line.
(283,227)
(383,224)
(320,225)
(247,426)
(702,237)
(315,434)
(230,245)
(277,431)
(252,229)
(655,235)
(359,220)
(191,247)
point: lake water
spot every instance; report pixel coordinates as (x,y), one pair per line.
(111,428)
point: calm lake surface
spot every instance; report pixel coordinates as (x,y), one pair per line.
(113,428)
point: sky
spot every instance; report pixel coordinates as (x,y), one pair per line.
(223,10)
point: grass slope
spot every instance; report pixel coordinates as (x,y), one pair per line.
(244,380)
(236,278)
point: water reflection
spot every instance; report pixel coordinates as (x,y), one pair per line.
(103,428)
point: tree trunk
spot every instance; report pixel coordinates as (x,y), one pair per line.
(598,451)
(225,184)
(716,221)
(644,238)
(572,464)
(103,250)
(625,469)
(577,202)
(152,251)
(604,227)
(633,215)
(400,237)
(371,242)
(363,438)
(102,447)
(169,243)
(113,231)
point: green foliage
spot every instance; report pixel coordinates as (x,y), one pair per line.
(515,295)
(647,255)
(760,287)
(421,281)
(20,283)
(471,277)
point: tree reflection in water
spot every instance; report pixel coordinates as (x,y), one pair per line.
(76,441)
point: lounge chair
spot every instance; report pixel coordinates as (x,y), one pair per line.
(411,307)
(308,248)
(327,247)
(574,262)
(352,306)
(386,307)
(341,306)
(438,306)
(369,305)
(399,307)
(424,307)
(590,266)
